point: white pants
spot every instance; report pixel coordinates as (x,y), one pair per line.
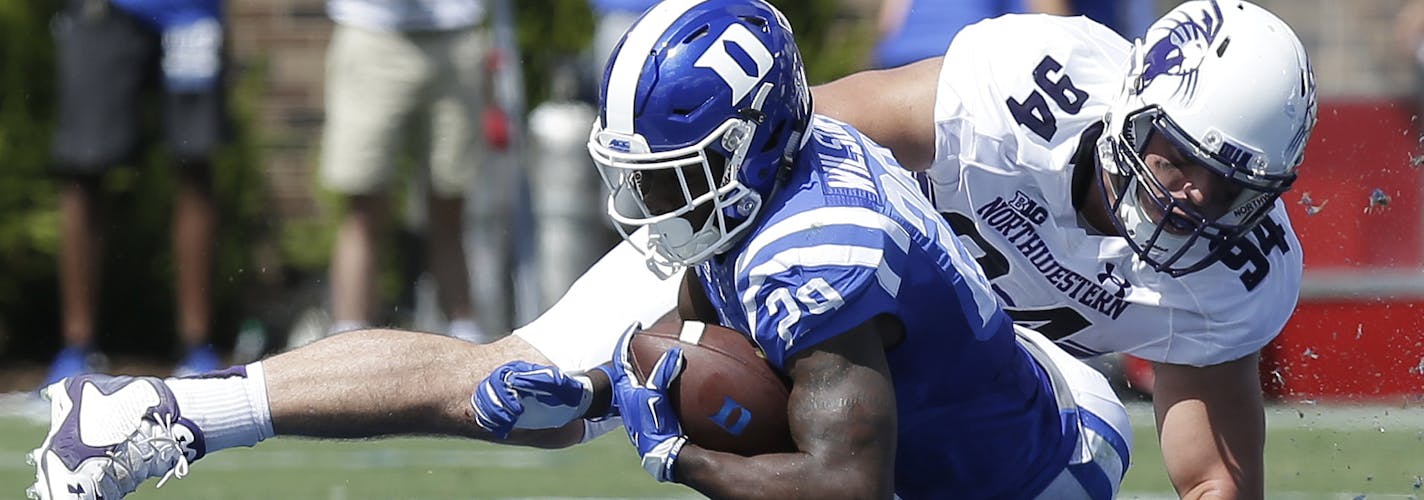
(1096,469)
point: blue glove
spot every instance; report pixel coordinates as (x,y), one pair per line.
(523,395)
(648,414)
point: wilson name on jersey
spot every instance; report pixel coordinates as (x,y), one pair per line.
(848,237)
(1014,97)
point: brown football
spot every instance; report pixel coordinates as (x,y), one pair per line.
(728,397)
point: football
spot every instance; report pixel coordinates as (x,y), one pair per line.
(728,397)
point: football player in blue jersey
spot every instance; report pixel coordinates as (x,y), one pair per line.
(906,377)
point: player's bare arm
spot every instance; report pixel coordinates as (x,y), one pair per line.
(1211,423)
(842,416)
(893,106)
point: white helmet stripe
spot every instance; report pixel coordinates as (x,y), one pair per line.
(629,61)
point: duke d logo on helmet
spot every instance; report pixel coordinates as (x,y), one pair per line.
(739,58)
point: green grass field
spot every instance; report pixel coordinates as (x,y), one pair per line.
(1313,452)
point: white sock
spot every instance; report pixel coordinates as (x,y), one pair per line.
(230,411)
(467,330)
(343,326)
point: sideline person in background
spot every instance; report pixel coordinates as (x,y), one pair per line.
(109,53)
(403,77)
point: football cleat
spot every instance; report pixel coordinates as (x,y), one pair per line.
(109,434)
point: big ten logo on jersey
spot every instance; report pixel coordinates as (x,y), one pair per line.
(1029,208)
(739,58)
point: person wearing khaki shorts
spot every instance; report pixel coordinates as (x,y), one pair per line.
(402,77)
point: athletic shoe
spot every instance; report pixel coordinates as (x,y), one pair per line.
(109,434)
(69,362)
(199,360)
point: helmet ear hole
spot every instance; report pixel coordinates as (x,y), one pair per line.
(759,22)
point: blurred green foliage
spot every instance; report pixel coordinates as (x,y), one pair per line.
(28,223)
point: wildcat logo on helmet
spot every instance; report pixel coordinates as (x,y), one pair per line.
(1181,52)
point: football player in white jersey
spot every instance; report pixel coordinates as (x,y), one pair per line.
(1123,197)
(1157,234)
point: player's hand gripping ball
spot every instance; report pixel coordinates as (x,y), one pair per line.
(728,398)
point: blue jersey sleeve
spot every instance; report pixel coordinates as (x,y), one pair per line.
(813,286)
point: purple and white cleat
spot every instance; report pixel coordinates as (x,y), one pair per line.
(109,434)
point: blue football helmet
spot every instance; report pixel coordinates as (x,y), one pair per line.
(703,107)
(1229,85)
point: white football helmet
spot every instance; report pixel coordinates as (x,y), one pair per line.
(1230,86)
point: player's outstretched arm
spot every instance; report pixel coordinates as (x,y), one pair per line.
(1211,422)
(894,106)
(842,415)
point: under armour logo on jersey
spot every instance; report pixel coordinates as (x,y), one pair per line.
(1117,285)
(739,58)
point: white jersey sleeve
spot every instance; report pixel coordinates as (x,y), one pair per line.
(580,331)
(1015,95)
(1005,93)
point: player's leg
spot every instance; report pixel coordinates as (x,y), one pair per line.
(390,383)
(194,225)
(195,124)
(384,382)
(81,244)
(354,261)
(453,156)
(360,384)
(373,84)
(449,267)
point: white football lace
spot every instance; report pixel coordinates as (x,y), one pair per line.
(151,451)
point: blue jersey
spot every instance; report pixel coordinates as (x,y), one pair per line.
(847,238)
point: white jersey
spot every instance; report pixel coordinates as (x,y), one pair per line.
(1014,96)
